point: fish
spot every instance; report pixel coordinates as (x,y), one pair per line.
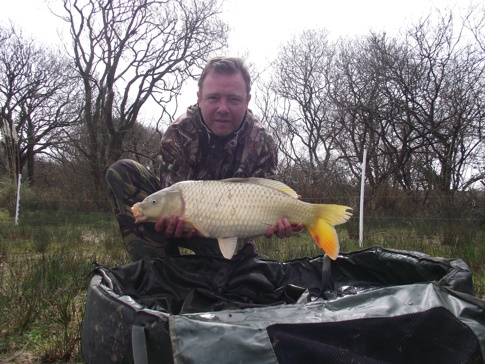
(235,208)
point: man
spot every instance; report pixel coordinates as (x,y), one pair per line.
(217,138)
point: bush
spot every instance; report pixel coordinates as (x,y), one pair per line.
(8,195)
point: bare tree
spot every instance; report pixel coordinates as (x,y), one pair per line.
(415,102)
(36,94)
(299,112)
(127,52)
(475,22)
(359,103)
(374,110)
(142,145)
(447,103)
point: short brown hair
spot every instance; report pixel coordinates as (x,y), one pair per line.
(226,65)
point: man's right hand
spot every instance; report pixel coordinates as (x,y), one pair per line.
(173,227)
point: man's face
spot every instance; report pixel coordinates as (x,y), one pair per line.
(223,101)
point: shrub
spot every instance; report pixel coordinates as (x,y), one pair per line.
(8,194)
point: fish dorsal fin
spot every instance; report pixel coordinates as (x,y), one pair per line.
(270,183)
(227,246)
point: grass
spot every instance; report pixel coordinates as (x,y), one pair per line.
(46,262)
(45,270)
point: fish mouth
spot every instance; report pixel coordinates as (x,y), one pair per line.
(138,214)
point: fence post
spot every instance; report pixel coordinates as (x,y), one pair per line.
(18,201)
(362,184)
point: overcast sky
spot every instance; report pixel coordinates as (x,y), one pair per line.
(258,27)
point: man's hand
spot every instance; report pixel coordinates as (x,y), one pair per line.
(283,229)
(173,227)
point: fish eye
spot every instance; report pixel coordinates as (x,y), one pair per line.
(154,201)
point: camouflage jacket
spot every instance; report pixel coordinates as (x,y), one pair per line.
(190,151)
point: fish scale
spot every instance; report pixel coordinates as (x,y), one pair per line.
(243,210)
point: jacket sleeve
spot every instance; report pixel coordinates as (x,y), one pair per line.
(174,159)
(258,155)
(267,160)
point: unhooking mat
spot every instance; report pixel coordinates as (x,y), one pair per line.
(371,306)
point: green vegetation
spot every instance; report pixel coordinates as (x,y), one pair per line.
(46,262)
(45,269)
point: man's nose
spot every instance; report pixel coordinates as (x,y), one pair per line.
(222,107)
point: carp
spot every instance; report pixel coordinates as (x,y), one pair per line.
(242,208)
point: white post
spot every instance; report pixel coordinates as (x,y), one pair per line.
(18,201)
(362,183)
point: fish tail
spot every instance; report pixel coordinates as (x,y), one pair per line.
(322,229)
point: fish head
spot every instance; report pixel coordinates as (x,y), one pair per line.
(162,203)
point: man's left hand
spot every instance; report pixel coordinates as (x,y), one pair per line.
(283,229)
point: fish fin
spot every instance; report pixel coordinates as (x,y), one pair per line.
(227,246)
(276,185)
(322,229)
